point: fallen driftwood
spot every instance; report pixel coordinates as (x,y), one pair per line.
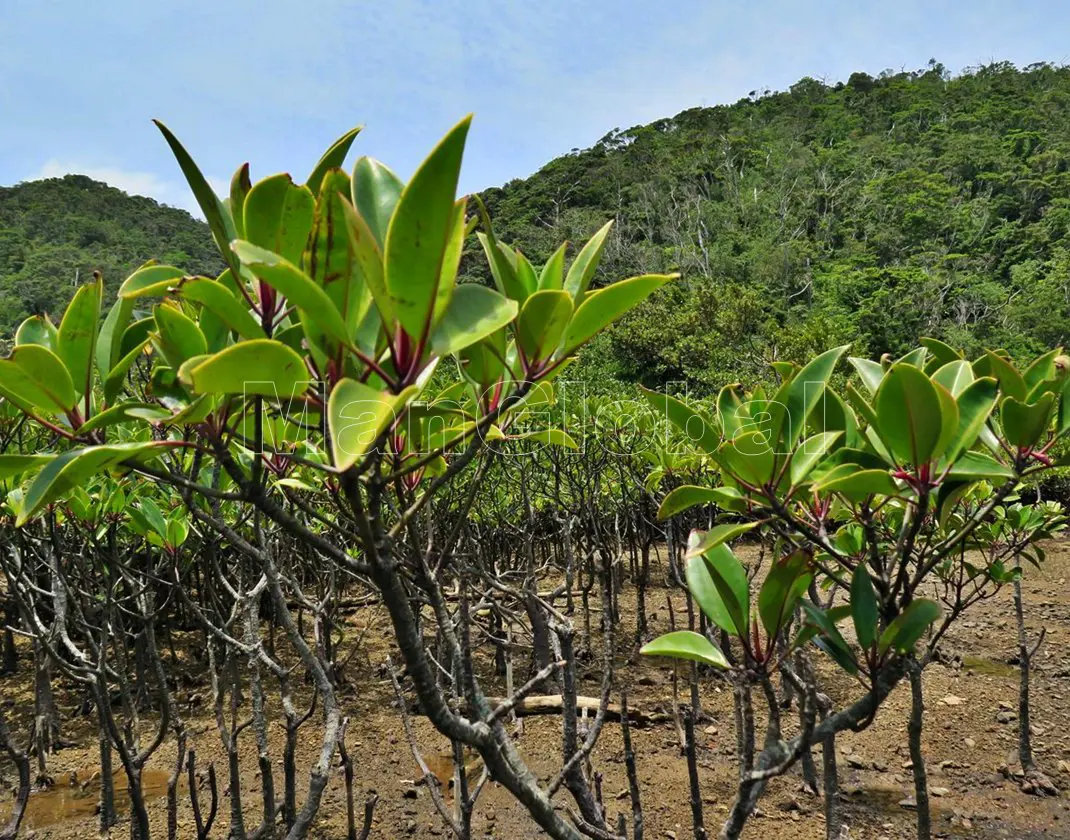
(551,704)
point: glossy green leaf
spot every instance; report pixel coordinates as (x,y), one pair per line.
(12,466)
(78,334)
(909,626)
(808,453)
(684,498)
(857,484)
(474,313)
(796,400)
(357,416)
(1011,382)
(278,217)
(975,404)
(376,190)
(333,158)
(552,275)
(216,214)
(865,610)
(110,337)
(259,367)
(542,322)
(717,535)
(73,469)
(686,644)
(699,429)
(1024,424)
(909,414)
(748,458)
(582,270)
(600,309)
(718,583)
(419,231)
(956,376)
(48,374)
(298,288)
(179,337)
(217,298)
(151,281)
(786,583)
(37,329)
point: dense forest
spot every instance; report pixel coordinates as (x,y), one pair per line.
(873,212)
(54,233)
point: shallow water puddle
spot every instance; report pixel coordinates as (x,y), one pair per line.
(70,799)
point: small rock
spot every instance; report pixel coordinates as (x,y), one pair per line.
(710,730)
(908,803)
(952,700)
(1006,717)
(939,791)
(969,742)
(857,763)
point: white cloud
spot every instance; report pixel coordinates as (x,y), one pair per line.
(173,193)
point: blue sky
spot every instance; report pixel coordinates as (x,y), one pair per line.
(275,82)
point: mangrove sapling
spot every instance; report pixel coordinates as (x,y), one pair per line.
(874,503)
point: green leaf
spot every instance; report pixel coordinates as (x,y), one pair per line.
(542,322)
(357,415)
(942,353)
(218,217)
(809,452)
(262,366)
(732,411)
(871,373)
(376,190)
(474,313)
(909,626)
(179,337)
(111,334)
(796,400)
(865,611)
(502,267)
(956,376)
(686,644)
(600,309)
(218,299)
(688,496)
(909,414)
(240,184)
(718,534)
(552,275)
(48,375)
(297,287)
(976,466)
(699,429)
(152,281)
(117,375)
(975,404)
(12,466)
(123,413)
(37,329)
(584,266)
(857,484)
(830,640)
(1011,381)
(419,231)
(78,334)
(333,158)
(718,583)
(786,583)
(278,217)
(748,458)
(551,437)
(1025,423)
(73,469)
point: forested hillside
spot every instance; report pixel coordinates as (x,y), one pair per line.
(60,229)
(872,211)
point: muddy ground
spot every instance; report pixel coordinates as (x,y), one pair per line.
(967,748)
